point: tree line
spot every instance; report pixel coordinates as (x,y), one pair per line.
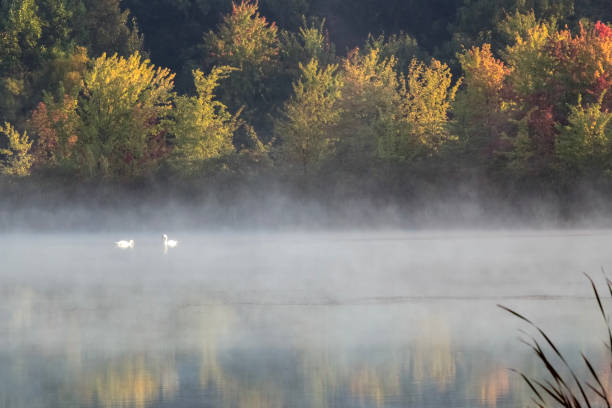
(516,94)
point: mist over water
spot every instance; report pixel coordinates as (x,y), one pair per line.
(273,205)
(386,318)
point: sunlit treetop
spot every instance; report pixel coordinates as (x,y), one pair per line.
(370,72)
(483,73)
(585,59)
(244,36)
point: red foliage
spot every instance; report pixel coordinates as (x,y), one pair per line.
(542,128)
(128,158)
(55,128)
(47,142)
(603,30)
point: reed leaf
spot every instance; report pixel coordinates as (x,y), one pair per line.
(558,391)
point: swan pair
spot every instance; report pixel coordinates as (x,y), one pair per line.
(168,243)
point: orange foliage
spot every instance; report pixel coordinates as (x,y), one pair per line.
(55,127)
(585,60)
(483,72)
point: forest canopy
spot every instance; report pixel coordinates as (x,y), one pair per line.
(515,94)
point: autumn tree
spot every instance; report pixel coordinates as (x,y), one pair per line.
(306,129)
(419,124)
(370,104)
(122,113)
(481,111)
(550,71)
(537,97)
(55,126)
(427,101)
(203,127)
(247,41)
(388,115)
(584,145)
(584,63)
(15,159)
(34,34)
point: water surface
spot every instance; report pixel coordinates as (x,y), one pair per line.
(391,319)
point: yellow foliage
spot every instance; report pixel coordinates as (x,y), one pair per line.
(483,73)
(532,64)
(120,84)
(371,96)
(427,101)
(244,37)
(585,140)
(370,76)
(123,110)
(17,159)
(203,127)
(310,114)
(481,113)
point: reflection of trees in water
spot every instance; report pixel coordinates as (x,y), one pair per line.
(432,357)
(494,386)
(376,377)
(234,369)
(21,309)
(233,389)
(133,381)
(322,374)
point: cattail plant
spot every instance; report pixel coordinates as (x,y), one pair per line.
(563,388)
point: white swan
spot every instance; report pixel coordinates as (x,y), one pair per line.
(169,243)
(125,244)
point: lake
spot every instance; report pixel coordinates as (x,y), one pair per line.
(342,319)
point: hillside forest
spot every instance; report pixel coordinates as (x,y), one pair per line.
(391,97)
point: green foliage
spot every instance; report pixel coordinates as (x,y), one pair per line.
(16,159)
(34,34)
(515,25)
(481,113)
(122,114)
(309,116)
(203,128)
(310,41)
(245,40)
(389,105)
(532,64)
(371,101)
(427,103)
(403,47)
(108,29)
(585,142)
(488,21)
(20,32)
(389,116)
(520,152)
